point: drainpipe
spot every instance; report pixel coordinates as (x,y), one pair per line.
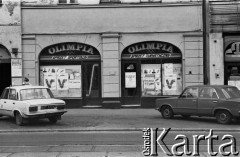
(206,60)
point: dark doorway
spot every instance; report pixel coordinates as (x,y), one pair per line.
(5,68)
(91,83)
(131,86)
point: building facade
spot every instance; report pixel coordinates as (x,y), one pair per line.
(224,42)
(10,43)
(112,53)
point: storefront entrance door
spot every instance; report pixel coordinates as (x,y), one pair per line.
(5,72)
(91,83)
(131,86)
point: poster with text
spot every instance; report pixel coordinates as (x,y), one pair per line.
(130,80)
(168,69)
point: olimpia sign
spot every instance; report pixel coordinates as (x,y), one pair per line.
(151,49)
(69,51)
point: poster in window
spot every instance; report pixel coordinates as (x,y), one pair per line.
(168,69)
(130,79)
(149,82)
(170,82)
(151,79)
(50,81)
(238,84)
(231,83)
(63,80)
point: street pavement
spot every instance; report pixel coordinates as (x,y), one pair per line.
(117,119)
(82,120)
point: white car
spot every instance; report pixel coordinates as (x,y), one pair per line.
(30,102)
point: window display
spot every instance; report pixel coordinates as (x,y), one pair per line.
(151,79)
(161,79)
(234,76)
(63,80)
(172,78)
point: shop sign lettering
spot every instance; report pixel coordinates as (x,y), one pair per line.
(69,57)
(70,47)
(150,46)
(149,55)
(233,49)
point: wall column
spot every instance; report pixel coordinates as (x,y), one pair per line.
(111,70)
(216,59)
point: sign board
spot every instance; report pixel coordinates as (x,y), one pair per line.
(130,80)
(16,67)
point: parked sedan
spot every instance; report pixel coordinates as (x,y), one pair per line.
(30,102)
(220,101)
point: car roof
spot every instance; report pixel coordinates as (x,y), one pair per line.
(25,87)
(214,86)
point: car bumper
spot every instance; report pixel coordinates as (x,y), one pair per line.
(44,115)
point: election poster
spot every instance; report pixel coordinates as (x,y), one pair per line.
(130,80)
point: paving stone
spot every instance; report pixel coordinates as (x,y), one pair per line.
(83,154)
(18,149)
(109,148)
(35,154)
(2,149)
(78,148)
(4,154)
(125,154)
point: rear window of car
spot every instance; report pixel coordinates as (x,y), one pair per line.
(231,92)
(35,93)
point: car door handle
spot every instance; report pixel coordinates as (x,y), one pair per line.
(14,103)
(214,101)
(194,100)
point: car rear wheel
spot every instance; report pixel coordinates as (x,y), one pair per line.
(53,120)
(223,117)
(19,119)
(167,112)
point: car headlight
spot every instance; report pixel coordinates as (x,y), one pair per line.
(33,108)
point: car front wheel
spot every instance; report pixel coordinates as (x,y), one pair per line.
(19,119)
(223,117)
(167,112)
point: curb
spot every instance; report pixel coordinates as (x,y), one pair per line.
(118,130)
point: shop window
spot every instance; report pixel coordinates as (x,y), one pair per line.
(151,79)
(161,79)
(172,78)
(234,76)
(63,80)
(68,1)
(110,1)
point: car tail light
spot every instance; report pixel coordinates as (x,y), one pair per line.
(33,108)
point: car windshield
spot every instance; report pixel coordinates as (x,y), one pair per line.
(35,93)
(231,92)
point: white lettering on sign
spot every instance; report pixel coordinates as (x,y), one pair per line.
(69,57)
(152,46)
(149,55)
(70,47)
(235,47)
